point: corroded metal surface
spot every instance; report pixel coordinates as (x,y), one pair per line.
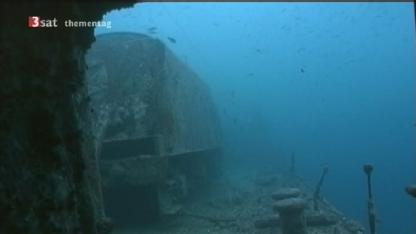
(138,88)
(134,171)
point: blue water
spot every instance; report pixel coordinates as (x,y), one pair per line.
(333,83)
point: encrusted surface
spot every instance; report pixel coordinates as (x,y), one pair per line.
(47,173)
(139,88)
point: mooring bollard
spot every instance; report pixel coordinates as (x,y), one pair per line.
(292,217)
(284,193)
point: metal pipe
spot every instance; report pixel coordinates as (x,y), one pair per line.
(316,195)
(368,169)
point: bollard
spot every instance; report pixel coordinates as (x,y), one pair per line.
(292,217)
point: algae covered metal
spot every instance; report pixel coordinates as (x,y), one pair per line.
(153,118)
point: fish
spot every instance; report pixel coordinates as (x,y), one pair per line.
(152,30)
(171,39)
(301,50)
(411,190)
(301,70)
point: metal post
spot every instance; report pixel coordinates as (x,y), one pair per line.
(368,169)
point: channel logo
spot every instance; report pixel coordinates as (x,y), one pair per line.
(37,22)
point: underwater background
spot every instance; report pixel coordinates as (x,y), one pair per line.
(332,84)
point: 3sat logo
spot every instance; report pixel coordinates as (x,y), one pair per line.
(37,22)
